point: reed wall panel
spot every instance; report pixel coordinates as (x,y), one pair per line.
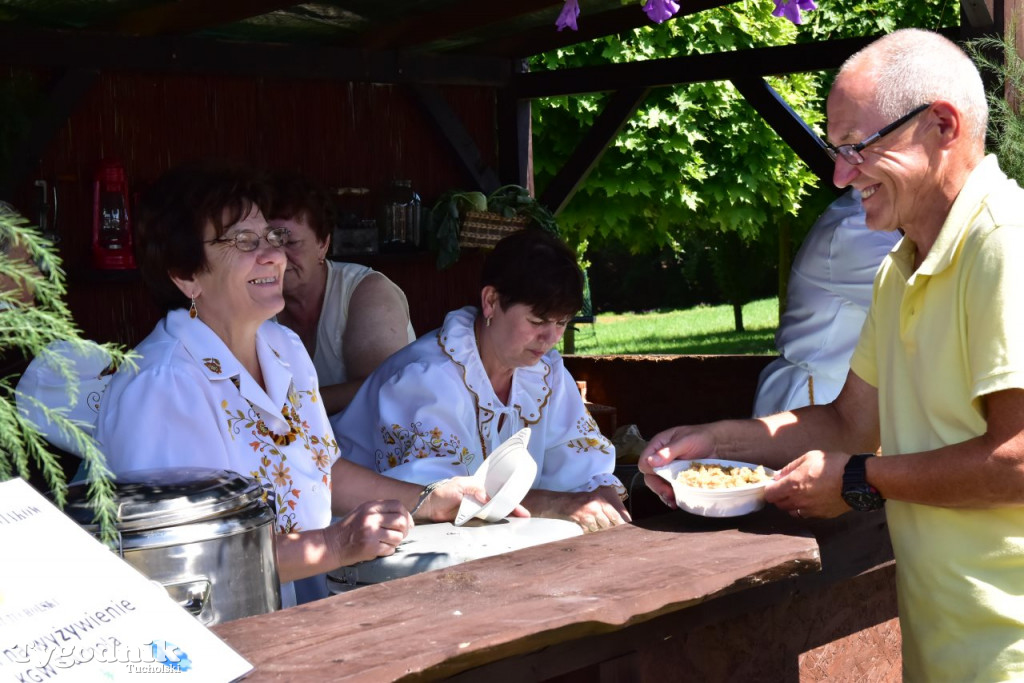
(340,134)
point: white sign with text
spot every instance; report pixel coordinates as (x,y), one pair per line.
(71,610)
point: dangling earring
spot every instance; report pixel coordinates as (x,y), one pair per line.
(192,312)
(487,321)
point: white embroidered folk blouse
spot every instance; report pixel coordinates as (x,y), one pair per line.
(191,403)
(430,412)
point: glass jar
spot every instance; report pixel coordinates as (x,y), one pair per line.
(400,220)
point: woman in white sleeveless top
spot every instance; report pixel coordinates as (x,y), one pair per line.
(349,317)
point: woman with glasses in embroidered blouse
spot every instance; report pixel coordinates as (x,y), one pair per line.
(219,385)
(439,406)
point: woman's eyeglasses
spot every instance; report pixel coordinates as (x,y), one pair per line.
(851,153)
(247,240)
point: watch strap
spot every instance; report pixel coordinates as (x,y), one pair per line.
(857,492)
(855,473)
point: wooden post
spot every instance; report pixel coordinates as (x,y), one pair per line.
(1013,27)
(515,155)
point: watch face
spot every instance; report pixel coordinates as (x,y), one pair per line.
(863,499)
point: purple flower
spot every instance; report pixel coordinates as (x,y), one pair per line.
(570,11)
(791,9)
(660,10)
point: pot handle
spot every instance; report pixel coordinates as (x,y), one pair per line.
(191,595)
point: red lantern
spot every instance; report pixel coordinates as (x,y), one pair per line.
(112,247)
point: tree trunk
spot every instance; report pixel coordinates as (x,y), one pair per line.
(737,315)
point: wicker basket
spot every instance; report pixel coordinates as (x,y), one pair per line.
(480,229)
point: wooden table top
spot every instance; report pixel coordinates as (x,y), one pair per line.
(436,624)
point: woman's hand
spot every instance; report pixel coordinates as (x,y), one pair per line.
(369,530)
(593,510)
(442,505)
(373,529)
(678,443)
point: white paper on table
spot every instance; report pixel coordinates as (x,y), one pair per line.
(72,610)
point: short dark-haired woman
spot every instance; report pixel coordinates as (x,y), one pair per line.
(438,407)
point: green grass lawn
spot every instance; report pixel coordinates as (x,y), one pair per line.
(700,330)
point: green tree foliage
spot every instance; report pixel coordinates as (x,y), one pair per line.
(849,18)
(25,331)
(693,157)
(697,160)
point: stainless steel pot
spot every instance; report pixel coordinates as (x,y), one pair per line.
(204,534)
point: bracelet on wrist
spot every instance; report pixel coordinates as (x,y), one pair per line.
(425,493)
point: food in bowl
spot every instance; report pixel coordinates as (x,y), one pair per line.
(708,475)
(728,501)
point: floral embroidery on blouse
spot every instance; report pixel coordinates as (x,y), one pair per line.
(406,445)
(213,365)
(273,470)
(590,437)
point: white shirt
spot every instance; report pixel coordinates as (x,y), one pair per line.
(829,294)
(191,403)
(430,412)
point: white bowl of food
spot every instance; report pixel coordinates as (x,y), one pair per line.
(717,488)
(507,475)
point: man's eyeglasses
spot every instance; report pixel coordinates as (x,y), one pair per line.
(247,240)
(851,153)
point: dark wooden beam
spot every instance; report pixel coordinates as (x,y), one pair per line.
(688,69)
(61,101)
(107,52)
(515,134)
(721,66)
(619,109)
(788,124)
(188,16)
(459,140)
(466,16)
(590,25)
(978,13)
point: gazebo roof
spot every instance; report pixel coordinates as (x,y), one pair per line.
(441,27)
(422,43)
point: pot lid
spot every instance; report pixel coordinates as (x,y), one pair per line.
(148,499)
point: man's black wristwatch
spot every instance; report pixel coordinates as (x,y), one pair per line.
(857,492)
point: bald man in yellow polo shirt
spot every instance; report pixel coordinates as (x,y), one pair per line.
(937,378)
